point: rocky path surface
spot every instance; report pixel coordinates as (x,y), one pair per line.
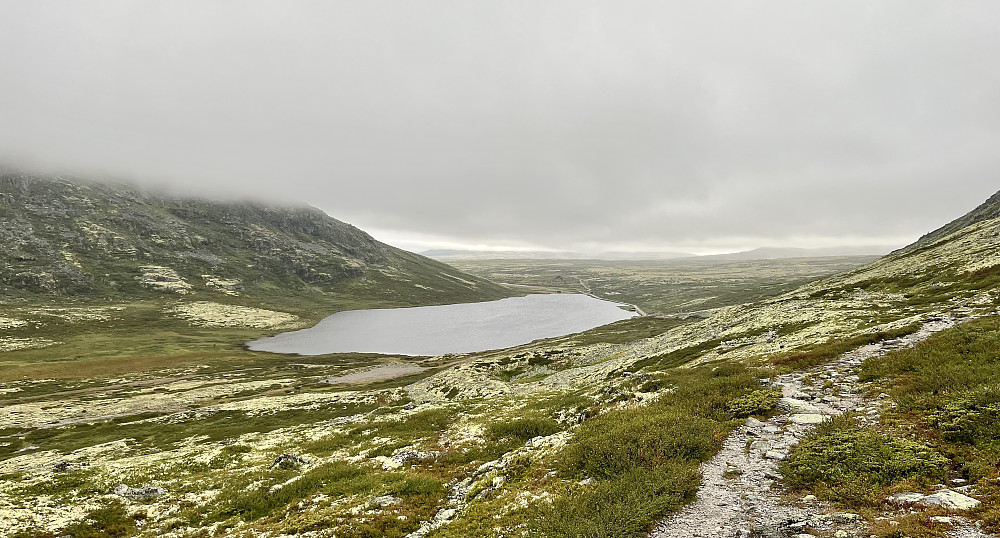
(738,497)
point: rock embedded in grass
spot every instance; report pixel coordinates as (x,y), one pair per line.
(138,494)
(950,500)
(905,498)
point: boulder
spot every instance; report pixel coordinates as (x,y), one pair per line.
(808,418)
(906,498)
(288,461)
(776,455)
(138,494)
(950,500)
(407,455)
(754,423)
(385,500)
(68,466)
(793,405)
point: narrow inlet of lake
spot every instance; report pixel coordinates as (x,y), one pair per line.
(455,328)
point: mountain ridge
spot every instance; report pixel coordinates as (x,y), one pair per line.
(81,238)
(990,209)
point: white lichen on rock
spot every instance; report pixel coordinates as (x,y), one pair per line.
(229,286)
(11,323)
(78,314)
(209,314)
(163,278)
(10,343)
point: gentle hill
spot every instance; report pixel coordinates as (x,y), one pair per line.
(106,241)
(763,253)
(448,255)
(776,253)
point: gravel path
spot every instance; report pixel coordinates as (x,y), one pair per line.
(737,498)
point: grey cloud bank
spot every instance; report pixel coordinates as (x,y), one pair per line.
(688,126)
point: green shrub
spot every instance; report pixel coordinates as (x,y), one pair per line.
(706,392)
(841,462)
(109,521)
(619,442)
(626,506)
(522,429)
(228,455)
(971,418)
(420,424)
(757,402)
(504,436)
(943,368)
(677,357)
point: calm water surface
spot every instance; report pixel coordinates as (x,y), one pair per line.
(457,328)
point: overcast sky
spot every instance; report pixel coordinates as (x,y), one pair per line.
(617,125)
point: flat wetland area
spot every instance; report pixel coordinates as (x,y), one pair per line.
(665,287)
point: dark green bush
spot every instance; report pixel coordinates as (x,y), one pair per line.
(522,429)
(627,506)
(757,402)
(971,418)
(109,521)
(622,441)
(645,460)
(841,462)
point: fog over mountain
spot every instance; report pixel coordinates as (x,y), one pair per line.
(700,127)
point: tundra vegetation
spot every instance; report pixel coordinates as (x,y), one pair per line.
(942,424)
(132,409)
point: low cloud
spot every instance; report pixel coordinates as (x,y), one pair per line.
(561,125)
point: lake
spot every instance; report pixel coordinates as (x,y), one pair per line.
(455,328)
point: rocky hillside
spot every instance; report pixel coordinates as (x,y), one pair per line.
(67,237)
(990,209)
